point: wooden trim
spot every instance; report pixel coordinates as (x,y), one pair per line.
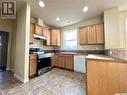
(90,25)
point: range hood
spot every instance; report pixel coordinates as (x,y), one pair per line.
(39,37)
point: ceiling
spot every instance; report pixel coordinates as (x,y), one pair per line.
(70,10)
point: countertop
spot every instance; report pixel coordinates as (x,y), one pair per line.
(104,58)
(72,53)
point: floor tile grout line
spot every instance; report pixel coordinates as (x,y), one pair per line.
(2,92)
(24,89)
(41,84)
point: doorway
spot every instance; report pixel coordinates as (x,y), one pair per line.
(3,50)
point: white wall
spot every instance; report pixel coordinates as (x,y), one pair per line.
(111,24)
(123,32)
(13,45)
(39,44)
(92,21)
(6,25)
(9,26)
(22,44)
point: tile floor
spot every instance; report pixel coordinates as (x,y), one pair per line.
(54,82)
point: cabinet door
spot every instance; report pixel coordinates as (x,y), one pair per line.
(38,30)
(91,34)
(58,37)
(100,34)
(69,64)
(46,33)
(32,29)
(54,60)
(55,39)
(61,62)
(83,36)
(32,65)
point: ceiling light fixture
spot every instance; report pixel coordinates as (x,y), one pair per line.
(41,4)
(57,19)
(85,9)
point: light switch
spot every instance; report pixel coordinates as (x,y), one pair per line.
(110,52)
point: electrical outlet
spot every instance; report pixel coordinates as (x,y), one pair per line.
(110,52)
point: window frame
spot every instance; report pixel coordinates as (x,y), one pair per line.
(65,41)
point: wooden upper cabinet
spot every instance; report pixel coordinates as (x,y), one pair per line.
(91,34)
(47,33)
(100,33)
(38,30)
(83,36)
(55,37)
(32,29)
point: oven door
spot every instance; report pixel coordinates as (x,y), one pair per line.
(43,65)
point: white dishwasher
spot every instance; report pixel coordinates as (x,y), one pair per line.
(79,63)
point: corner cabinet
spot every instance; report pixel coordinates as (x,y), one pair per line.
(65,61)
(92,35)
(55,37)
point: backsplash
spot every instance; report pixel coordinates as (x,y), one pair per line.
(39,44)
(117,53)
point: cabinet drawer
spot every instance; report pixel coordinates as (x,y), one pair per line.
(33,56)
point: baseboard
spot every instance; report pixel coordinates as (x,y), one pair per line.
(8,69)
(21,79)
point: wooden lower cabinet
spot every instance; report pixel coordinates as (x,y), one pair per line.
(106,77)
(54,60)
(69,62)
(63,61)
(32,65)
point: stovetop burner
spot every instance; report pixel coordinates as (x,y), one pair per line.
(36,50)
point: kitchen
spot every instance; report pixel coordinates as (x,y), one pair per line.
(78,49)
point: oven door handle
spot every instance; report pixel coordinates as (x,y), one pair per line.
(39,61)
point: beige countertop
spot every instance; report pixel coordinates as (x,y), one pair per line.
(104,58)
(72,53)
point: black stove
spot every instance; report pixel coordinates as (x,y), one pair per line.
(43,60)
